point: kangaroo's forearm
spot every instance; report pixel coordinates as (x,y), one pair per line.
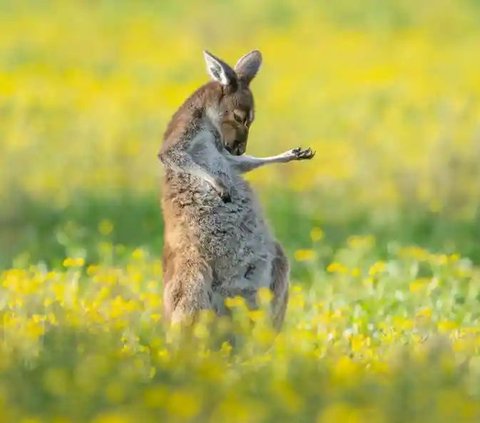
(245,164)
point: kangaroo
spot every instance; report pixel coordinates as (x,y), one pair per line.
(216,241)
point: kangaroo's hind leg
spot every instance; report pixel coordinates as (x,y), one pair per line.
(279,286)
(187,289)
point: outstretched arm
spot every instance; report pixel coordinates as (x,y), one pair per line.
(180,156)
(245,164)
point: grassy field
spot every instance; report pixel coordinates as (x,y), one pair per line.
(382,228)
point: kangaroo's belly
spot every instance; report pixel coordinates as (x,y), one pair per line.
(245,283)
(232,238)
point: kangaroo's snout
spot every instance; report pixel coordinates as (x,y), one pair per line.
(235,137)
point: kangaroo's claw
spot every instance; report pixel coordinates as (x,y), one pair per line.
(303,154)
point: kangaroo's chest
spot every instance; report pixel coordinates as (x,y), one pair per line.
(206,149)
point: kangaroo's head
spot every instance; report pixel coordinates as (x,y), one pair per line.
(232,110)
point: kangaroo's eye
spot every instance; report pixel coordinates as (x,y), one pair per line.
(237,117)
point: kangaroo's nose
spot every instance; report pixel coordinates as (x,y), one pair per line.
(239,148)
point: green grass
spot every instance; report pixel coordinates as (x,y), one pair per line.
(39,232)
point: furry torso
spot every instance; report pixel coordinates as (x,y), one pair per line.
(231,239)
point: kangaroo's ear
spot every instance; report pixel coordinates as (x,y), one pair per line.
(248,66)
(219,70)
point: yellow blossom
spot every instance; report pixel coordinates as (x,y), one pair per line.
(105,227)
(316,234)
(305,255)
(336,267)
(74,262)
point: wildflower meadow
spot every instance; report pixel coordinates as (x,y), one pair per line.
(382,227)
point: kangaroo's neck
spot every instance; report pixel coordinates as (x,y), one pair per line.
(188,119)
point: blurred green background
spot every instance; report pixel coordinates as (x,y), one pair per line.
(387,92)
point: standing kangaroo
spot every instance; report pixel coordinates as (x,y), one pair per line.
(216,242)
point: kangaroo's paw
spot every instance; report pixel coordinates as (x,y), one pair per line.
(223,191)
(303,154)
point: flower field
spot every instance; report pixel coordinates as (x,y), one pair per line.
(382,228)
(396,340)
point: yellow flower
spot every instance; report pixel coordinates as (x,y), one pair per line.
(305,255)
(105,227)
(355,272)
(73,262)
(377,268)
(34,329)
(183,403)
(156,317)
(92,270)
(447,325)
(414,252)
(265,296)
(138,254)
(402,323)
(359,342)
(256,315)
(316,234)
(234,302)
(418,285)
(345,369)
(336,267)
